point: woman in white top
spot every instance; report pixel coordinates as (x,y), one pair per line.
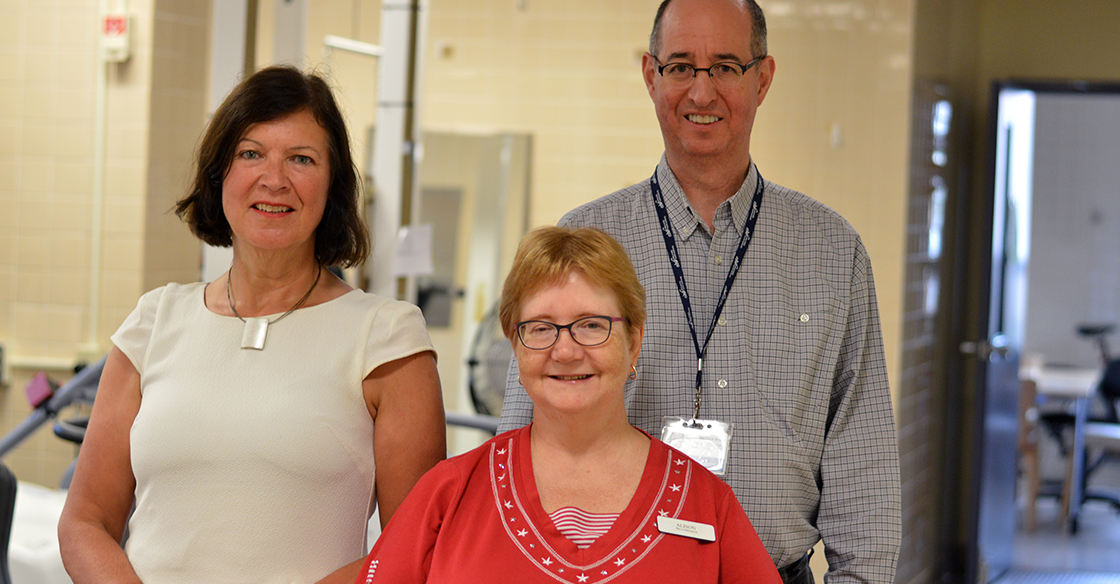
(241,418)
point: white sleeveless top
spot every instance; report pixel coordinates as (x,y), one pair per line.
(252,463)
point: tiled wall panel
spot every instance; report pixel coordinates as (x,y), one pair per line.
(48,67)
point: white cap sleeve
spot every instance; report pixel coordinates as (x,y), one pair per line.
(135,333)
(398,330)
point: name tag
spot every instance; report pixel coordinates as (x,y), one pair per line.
(674,526)
(706,441)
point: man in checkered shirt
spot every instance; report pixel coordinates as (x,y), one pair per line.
(795,357)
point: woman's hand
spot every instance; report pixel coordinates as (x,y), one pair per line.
(346,574)
(101,495)
(409,431)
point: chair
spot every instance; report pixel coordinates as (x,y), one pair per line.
(8,486)
(1102,435)
(1102,430)
(1102,442)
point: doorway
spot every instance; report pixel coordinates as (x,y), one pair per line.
(1055,264)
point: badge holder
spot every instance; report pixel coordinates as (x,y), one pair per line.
(705,441)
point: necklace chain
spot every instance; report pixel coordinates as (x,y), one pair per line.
(229,296)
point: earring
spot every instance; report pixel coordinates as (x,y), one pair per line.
(633,372)
(519,380)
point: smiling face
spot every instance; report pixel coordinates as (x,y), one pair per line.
(699,122)
(568,378)
(276,188)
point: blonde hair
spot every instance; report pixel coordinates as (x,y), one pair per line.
(548,255)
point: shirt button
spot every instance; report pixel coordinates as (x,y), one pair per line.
(722,383)
(722,321)
(717,259)
(804,318)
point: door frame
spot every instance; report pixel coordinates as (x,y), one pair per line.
(972,316)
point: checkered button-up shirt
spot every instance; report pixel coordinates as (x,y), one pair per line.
(795,363)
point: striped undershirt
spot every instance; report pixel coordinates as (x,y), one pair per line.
(581,527)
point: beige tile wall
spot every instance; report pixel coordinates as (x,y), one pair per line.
(47,87)
(46,114)
(178,92)
(565,72)
(46,133)
(945,58)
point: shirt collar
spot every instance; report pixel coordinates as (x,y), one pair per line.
(685,219)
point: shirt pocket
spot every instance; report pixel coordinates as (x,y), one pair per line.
(797,336)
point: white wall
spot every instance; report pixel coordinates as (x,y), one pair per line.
(1075,225)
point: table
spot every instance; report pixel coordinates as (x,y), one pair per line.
(1077,384)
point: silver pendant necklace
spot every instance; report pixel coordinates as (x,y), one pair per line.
(256,329)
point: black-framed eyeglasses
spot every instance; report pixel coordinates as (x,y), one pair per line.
(588,331)
(724,73)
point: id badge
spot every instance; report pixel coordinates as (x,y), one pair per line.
(705,441)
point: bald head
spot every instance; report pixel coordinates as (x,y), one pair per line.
(758,26)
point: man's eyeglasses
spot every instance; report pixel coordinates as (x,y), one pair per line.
(724,73)
(588,331)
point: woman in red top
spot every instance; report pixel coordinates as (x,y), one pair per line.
(579,495)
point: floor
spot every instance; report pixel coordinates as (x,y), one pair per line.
(1050,555)
(1059,578)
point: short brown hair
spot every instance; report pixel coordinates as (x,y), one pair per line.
(549,254)
(341,238)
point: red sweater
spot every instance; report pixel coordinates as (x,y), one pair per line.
(477,518)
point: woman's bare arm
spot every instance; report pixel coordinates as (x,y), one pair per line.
(409,431)
(101,495)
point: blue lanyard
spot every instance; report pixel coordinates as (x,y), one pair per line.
(678,272)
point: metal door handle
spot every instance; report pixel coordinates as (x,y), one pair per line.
(983,350)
